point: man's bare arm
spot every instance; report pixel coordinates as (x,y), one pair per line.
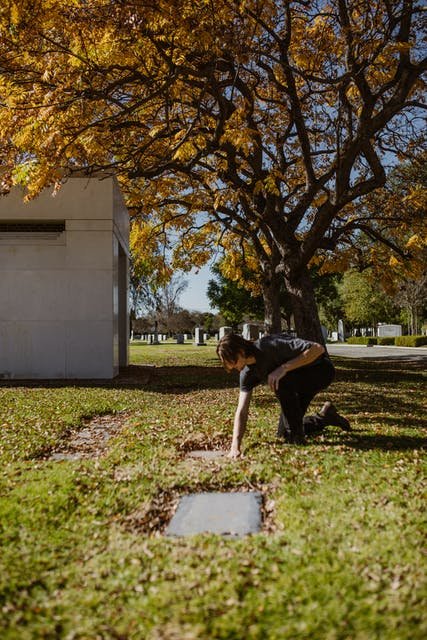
(306,357)
(240,420)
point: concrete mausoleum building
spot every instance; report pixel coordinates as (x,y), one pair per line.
(64,282)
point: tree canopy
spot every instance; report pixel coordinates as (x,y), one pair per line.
(233,301)
(365,303)
(267,120)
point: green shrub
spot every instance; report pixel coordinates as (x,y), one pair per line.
(386,341)
(362,340)
(410,341)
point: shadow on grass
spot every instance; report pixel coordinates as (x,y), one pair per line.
(383,370)
(380,406)
(187,378)
(368,442)
(168,379)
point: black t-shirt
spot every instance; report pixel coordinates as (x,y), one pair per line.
(271,352)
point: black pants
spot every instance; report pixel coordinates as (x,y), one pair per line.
(296,390)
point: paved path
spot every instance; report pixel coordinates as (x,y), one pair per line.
(415,354)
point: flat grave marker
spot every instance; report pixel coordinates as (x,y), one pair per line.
(206,454)
(233,514)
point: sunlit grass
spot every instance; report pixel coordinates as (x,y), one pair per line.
(81,558)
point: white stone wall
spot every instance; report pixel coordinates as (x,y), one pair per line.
(60,311)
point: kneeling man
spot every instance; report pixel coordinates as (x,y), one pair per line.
(295,370)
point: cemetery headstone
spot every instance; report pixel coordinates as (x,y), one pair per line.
(223,331)
(180,338)
(250,331)
(389,330)
(198,336)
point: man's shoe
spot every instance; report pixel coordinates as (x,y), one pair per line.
(297,439)
(332,417)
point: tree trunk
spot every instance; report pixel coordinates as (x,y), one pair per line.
(287,317)
(272,313)
(304,308)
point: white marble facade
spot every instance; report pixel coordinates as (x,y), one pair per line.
(63,293)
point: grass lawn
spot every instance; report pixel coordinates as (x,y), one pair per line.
(82,551)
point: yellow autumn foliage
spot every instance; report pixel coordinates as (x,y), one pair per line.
(217,116)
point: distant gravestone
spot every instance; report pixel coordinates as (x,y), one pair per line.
(223,331)
(180,338)
(228,514)
(389,330)
(250,331)
(205,336)
(341,336)
(198,336)
(217,336)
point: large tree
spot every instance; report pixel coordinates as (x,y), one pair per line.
(270,118)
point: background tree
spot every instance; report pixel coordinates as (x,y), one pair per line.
(271,119)
(164,309)
(167,299)
(328,298)
(141,297)
(365,303)
(411,296)
(235,303)
(182,321)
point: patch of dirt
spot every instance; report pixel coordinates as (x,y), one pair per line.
(154,515)
(202,442)
(90,441)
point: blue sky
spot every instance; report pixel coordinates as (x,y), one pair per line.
(194,297)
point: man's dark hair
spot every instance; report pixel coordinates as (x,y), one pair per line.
(231,345)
